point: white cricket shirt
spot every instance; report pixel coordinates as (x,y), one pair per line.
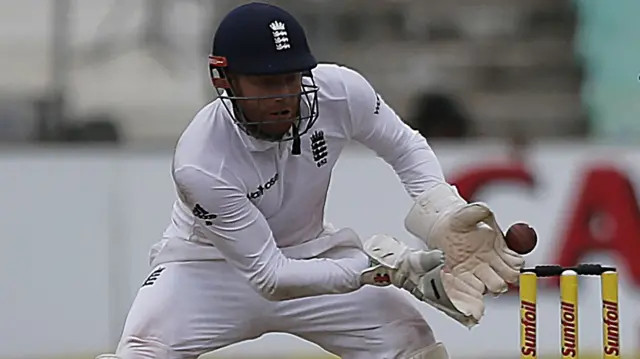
(253,203)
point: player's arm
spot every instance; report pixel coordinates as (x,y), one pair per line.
(375,124)
(241,233)
(476,253)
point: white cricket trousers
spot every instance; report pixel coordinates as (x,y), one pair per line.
(192,308)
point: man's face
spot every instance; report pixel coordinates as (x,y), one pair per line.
(276,113)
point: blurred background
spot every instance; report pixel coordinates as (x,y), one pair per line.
(531,105)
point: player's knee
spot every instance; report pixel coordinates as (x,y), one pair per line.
(404,340)
(137,348)
(424,332)
(434,351)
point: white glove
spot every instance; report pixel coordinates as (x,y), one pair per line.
(417,271)
(476,252)
(392,262)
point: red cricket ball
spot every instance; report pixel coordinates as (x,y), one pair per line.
(521,238)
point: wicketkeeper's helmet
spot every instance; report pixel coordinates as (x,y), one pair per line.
(263,39)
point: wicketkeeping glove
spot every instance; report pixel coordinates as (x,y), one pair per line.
(477,257)
(418,272)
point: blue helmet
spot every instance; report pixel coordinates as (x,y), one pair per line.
(263,39)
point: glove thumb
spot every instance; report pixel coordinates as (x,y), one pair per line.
(467,218)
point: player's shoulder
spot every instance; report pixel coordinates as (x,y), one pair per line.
(208,142)
(338,81)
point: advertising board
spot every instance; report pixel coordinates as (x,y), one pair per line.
(77,226)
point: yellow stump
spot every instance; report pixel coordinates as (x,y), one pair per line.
(610,316)
(569,314)
(528,316)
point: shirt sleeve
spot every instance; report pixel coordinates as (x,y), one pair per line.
(376,125)
(240,232)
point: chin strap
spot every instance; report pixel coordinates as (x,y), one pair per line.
(295,148)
